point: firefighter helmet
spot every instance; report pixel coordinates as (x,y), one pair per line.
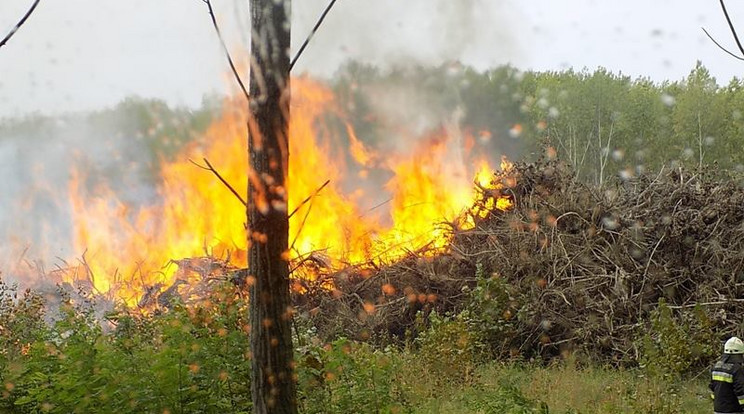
(734,346)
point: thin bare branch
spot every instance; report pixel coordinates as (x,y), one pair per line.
(733,32)
(307,214)
(210,168)
(227,52)
(302,224)
(312,33)
(376,207)
(720,46)
(310,197)
(713,303)
(731,26)
(19,24)
(89,272)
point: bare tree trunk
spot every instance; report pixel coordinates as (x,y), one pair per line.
(273,379)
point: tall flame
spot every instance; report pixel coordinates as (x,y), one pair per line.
(127,249)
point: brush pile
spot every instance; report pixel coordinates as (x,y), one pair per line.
(568,268)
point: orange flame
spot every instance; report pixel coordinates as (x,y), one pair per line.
(129,249)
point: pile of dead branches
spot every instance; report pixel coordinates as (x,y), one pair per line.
(584,267)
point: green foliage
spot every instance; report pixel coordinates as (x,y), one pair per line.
(492,313)
(349,377)
(185,360)
(606,126)
(653,398)
(162,128)
(449,350)
(129,140)
(676,345)
(195,360)
(507,399)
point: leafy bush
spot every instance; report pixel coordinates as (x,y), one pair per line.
(449,350)
(506,399)
(22,325)
(185,360)
(491,313)
(349,377)
(195,360)
(676,345)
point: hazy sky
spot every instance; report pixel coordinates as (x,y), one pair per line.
(82,54)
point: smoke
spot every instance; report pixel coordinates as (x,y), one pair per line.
(37,155)
(67,67)
(388,33)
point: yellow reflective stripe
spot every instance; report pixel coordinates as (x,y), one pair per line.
(712,396)
(722,378)
(741,401)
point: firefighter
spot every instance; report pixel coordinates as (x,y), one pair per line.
(727,379)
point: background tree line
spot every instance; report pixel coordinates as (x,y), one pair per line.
(606,125)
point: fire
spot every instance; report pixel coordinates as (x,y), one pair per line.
(128,249)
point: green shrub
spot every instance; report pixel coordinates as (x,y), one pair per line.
(349,377)
(191,360)
(676,345)
(449,350)
(22,326)
(492,313)
(506,399)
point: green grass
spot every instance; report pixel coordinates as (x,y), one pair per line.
(521,388)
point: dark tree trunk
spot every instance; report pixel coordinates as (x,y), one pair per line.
(273,379)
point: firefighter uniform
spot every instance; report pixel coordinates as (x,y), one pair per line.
(727,379)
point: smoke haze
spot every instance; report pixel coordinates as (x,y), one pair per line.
(79,55)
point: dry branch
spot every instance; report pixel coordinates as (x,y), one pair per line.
(227,52)
(733,32)
(312,33)
(210,168)
(19,24)
(584,271)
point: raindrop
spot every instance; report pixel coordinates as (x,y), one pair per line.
(545,325)
(626,174)
(618,154)
(515,131)
(610,223)
(636,253)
